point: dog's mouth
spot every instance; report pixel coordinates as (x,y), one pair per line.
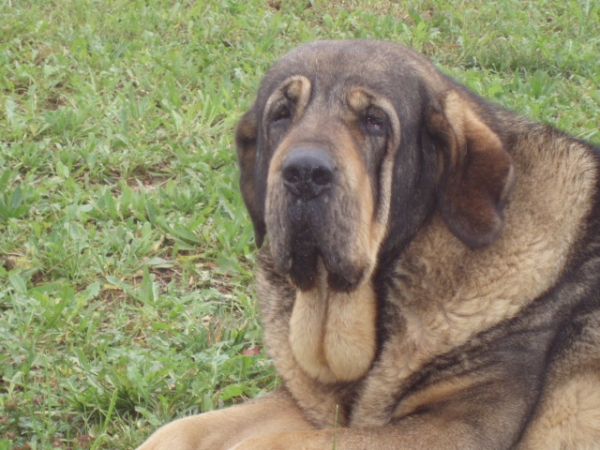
(304,266)
(311,234)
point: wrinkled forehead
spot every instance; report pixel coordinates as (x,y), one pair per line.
(333,67)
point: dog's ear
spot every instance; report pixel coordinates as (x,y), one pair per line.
(246,136)
(476,172)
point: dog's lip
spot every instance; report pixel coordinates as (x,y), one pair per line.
(342,283)
(304,270)
(305,257)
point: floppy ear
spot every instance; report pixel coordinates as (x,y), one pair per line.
(246,142)
(476,171)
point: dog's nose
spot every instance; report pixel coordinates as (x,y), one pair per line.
(308,172)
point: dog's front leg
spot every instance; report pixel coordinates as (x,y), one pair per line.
(223,429)
(411,434)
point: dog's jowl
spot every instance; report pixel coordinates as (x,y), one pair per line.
(429,270)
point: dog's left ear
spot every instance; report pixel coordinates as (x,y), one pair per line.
(246,142)
(476,171)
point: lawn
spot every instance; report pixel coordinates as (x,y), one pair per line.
(126,256)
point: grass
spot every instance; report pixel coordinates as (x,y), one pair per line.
(126,256)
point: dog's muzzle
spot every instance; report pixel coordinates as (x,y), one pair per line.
(312,220)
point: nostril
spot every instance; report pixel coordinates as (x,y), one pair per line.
(291,174)
(322,176)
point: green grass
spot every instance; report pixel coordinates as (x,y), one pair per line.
(126,256)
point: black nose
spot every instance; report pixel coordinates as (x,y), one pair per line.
(308,172)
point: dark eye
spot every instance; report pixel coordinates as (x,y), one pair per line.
(281,113)
(375,122)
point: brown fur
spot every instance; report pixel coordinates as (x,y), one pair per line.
(431,278)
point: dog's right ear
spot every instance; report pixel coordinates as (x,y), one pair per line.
(246,136)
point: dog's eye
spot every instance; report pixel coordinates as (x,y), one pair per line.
(281,113)
(375,122)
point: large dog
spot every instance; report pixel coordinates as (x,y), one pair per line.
(431,278)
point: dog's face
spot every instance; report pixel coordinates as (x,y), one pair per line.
(348,149)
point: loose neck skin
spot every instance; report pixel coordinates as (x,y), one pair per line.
(332,334)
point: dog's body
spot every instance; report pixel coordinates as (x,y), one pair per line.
(432,276)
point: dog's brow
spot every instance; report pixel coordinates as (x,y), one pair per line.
(294,90)
(359,100)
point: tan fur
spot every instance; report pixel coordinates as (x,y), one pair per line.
(570,416)
(307,332)
(332,334)
(221,430)
(349,342)
(437,393)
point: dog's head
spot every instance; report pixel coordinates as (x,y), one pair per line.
(351,145)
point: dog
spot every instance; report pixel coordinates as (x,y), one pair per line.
(431,275)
